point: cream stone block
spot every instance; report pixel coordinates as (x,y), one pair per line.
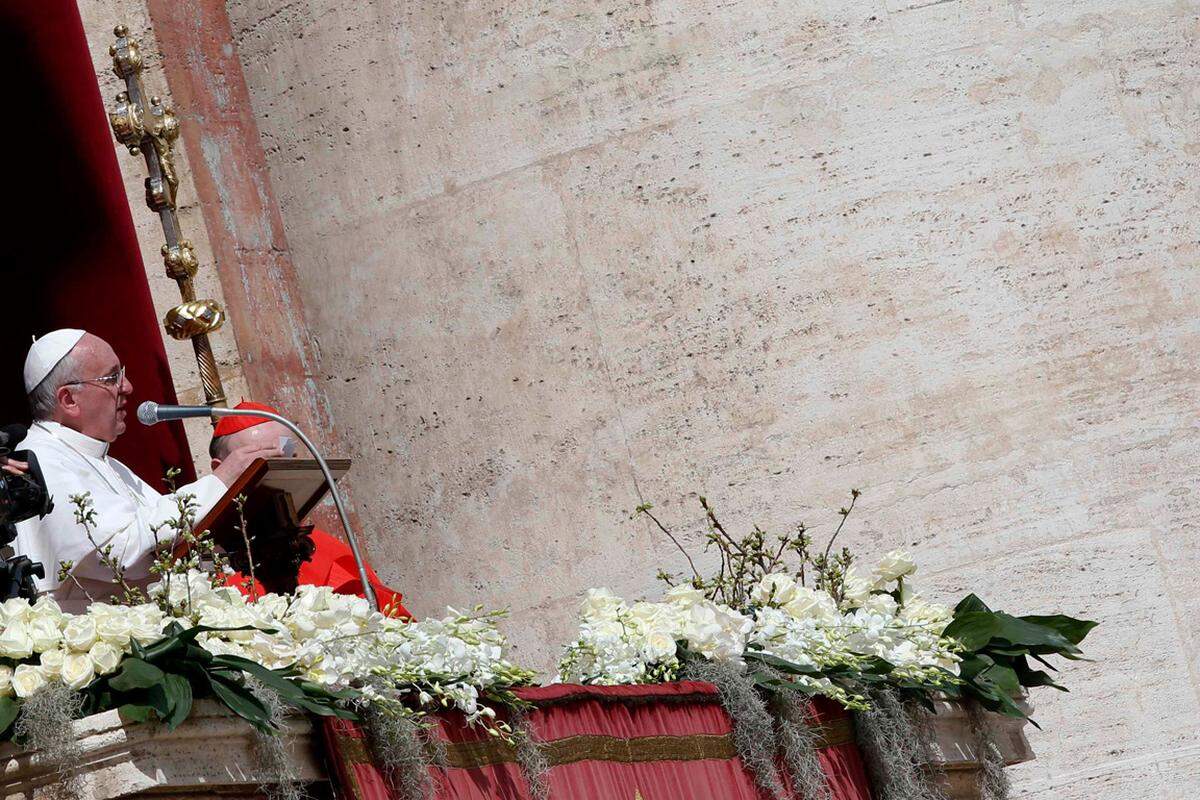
(209,755)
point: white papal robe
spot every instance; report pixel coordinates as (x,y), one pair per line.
(127,508)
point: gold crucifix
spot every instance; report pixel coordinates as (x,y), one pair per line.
(150,129)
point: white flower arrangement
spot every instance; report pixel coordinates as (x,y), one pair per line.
(333,640)
(880,624)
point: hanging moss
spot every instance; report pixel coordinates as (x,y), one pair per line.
(270,749)
(993,781)
(753,726)
(45,725)
(894,749)
(401,746)
(798,746)
(531,757)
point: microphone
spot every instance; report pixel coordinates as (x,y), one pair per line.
(151,413)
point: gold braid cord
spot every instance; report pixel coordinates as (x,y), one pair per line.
(150,128)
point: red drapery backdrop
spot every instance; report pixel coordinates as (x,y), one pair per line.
(658,742)
(72,255)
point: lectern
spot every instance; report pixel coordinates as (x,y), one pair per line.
(261,516)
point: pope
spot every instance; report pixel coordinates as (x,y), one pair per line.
(332,563)
(78,394)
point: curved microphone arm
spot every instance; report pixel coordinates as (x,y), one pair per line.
(368,590)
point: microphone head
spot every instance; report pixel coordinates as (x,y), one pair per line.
(147,412)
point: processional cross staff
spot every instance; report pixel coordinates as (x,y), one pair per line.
(150,129)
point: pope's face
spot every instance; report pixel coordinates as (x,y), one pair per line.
(95,403)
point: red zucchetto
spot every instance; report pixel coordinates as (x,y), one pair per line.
(233,424)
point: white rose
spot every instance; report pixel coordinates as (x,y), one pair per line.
(272,605)
(920,612)
(45,635)
(811,604)
(46,608)
(880,604)
(15,641)
(892,567)
(685,595)
(855,590)
(27,679)
(52,662)
(106,657)
(15,609)
(80,633)
(659,646)
(6,674)
(776,589)
(601,604)
(77,670)
(146,629)
(115,630)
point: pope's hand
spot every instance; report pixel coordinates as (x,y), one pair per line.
(237,461)
(12,466)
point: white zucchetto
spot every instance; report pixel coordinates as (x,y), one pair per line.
(46,352)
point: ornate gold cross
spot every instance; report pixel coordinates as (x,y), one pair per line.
(150,130)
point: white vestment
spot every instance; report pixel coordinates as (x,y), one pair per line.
(127,509)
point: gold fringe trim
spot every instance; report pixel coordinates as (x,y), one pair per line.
(572,749)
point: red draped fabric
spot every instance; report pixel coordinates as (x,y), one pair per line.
(654,742)
(70,252)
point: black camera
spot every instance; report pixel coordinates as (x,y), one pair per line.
(22,497)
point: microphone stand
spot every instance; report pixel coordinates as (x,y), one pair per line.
(368,590)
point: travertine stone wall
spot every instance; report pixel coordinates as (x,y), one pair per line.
(564,258)
(99,19)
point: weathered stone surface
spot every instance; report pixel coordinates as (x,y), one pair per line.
(565,258)
(211,755)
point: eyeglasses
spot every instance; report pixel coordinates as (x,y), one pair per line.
(114,378)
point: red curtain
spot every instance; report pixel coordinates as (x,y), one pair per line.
(72,259)
(655,742)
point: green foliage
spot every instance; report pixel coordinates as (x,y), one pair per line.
(997,648)
(161,682)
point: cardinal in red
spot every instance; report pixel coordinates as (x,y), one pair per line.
(332,563)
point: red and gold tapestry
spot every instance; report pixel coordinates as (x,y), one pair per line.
(660,742)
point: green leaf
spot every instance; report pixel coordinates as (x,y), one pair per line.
(134,712)
(970,603)
(180,693)
(9,708)
(136,674)
(286,689)
(780,663)
(1004,678)
(239,700)
(1034,677)
(1071,629)
(974,629)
